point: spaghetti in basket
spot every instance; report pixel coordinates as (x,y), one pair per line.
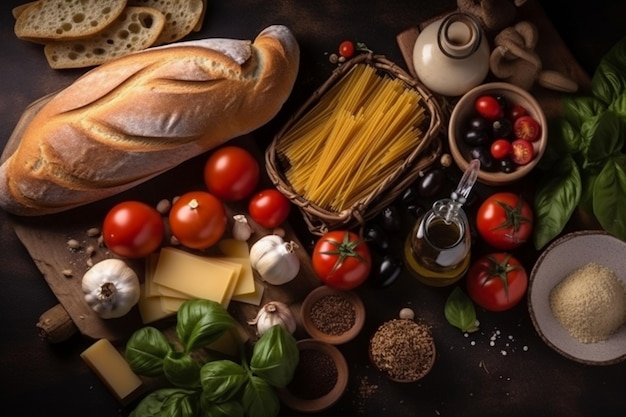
(358,142)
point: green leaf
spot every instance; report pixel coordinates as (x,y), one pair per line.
(459,311)
(145,351)
(156,402)
(181,404)
(609,195)
(221,380)
(609,80)
(581,110)
(606,140)
(275,356)
(260,399)
(227,409)
(200,322)
(555,201)
(181,370)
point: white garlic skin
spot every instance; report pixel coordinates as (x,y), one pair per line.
(274,313)
(111,288)
(274,259)
(241,228)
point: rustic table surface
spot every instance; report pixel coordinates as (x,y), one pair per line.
(518,374)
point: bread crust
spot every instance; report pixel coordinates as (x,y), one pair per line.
(136,117)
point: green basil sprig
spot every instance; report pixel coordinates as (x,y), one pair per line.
(214,388)
(460,312)
(585,161)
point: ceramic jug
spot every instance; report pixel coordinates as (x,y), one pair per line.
(451,55)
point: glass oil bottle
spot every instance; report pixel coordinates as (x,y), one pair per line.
(437,251)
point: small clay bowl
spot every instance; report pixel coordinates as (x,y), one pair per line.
(317,332)
(288,395)
(400,328)
(464,110)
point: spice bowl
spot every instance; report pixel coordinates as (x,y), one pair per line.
(320,379)
(403,349)
(333,316)
(459,126)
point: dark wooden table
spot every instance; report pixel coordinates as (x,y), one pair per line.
(519,375)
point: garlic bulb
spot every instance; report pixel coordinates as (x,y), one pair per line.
(241,228)
(111,288)
(274,259)
(274,313)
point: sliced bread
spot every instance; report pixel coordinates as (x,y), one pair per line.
(135,29)
(47,20)
(181,17)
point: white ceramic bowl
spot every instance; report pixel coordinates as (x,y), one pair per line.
(463,111)
(561,258)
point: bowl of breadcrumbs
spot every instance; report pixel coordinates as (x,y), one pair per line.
(403,349)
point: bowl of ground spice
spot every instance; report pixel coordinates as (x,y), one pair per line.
(320,379)
(403,349)
(577,297)
(333,316)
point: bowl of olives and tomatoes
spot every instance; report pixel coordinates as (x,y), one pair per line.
(501,125)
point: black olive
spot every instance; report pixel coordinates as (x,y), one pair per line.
(387,270)
(409,196)
(481,153)
(504,103)
(475,137)
(416,210)
(506,165)
(479,123)
(391,220)
(502,128)
(375,234)
(432,182)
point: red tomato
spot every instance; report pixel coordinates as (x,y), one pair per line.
(133,229)
(489,107)
(500,148)
(346,49)
(198,219)
(516,111)
(522,151)
(497,282)
(341,259)
(504,220)
(269,208)
(231,173)
(525,127)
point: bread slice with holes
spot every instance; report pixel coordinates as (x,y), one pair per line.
(135,29)
(181,17)
(47,20)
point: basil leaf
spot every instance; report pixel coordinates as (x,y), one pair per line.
(181,370)
(221,380)
(555,201)
(275,356)
(607,139)
(180,404)
(459,311)
(227,409)
(145,351)
(200,322)
(153,403)
(608,80)
(260,399)
(609,194)
(580,110)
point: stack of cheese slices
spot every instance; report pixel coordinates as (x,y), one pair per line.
(87,33)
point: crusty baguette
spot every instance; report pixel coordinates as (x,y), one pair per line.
(140,115)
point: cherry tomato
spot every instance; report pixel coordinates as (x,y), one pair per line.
(231,173)
(516,111)
(133,229)
(526,127)
(522,151)
(500,148)
(505,220)
(198,219)
(341,259)
(497,281)
(346,49)
(489,107)
(269,208)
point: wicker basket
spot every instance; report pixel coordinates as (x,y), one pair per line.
(318,219)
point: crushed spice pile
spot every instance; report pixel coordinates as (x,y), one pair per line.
(315,376)
(333,315)
(403,348)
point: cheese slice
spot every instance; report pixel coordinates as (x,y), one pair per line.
(238,251)
(112,369)
(150,308)
(196,276)
(255,298)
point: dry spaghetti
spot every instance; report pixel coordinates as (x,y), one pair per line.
(361,130)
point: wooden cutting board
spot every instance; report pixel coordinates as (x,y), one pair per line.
(46,239)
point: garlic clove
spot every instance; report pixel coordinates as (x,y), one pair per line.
(274,313)
(241,228)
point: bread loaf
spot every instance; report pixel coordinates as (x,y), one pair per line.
(138,116)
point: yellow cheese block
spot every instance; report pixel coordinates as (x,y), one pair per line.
(196,276)
(112,369)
